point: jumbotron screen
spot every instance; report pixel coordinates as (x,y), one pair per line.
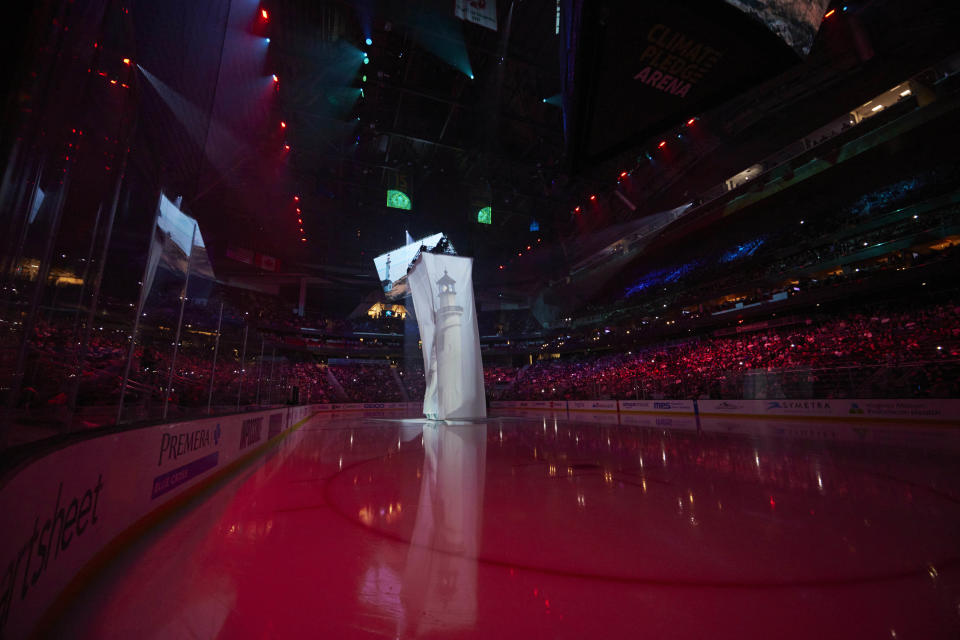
(796,22)
(392,265)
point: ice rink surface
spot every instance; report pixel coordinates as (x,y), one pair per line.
(555,526)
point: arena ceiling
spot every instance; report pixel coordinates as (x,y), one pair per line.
(558,104)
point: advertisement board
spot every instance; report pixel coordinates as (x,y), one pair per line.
(368,406)
(550,405)
(657,406)
(941,410)
(64,507)
(594,406)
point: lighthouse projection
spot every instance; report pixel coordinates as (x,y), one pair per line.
(442,290)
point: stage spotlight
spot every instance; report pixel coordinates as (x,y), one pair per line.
(286,147)
(593,198)
(369,41)
(366,60)
(576,209)
(126,61)
(691,121)
(662,144)
(267,40)
(296,198)
(623,174)
(275,78)
(263,14)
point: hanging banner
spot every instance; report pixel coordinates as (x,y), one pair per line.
(240,255)
(481,12)
(267,263)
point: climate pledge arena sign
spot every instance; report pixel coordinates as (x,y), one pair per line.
(673,62)
(643,67)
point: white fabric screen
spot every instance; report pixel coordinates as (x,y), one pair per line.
(442,290)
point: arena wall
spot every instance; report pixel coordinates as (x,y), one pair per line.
(913,410)
(62,510)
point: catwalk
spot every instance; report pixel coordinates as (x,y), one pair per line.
(549,526)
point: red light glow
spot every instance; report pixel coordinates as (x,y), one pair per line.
(829,13)
(275,78)
(662,144)
(593,198)
(576,209)
(263,14)
(296,198)
(501,267)
(691,121)
(126,61)
(286,147)
(623,174)
(283,125)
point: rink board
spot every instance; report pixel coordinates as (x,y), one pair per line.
(64,508)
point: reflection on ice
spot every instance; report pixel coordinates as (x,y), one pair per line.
(439,591)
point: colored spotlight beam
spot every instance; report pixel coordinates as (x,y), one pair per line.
(442,36)
(554,100)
